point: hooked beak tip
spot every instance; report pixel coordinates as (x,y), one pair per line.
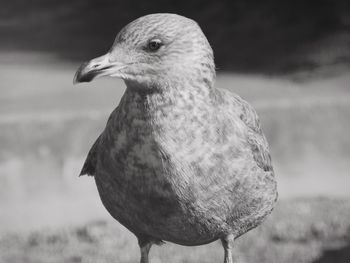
(97,67)
(84,74)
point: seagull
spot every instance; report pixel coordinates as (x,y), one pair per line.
(179,159)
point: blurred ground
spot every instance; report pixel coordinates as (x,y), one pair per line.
(303,231)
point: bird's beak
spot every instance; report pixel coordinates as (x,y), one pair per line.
(97,67)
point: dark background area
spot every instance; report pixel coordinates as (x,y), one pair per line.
(271,36)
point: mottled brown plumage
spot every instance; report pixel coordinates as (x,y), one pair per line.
(179,160)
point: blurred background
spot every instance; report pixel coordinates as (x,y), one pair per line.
(289,59)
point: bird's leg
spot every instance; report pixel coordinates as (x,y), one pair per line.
(145,247)
(144,252)
(227,243)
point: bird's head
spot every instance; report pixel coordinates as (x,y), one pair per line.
(155,50)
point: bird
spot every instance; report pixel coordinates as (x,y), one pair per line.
(179,159)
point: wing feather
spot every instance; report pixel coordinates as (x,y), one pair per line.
(89,167)
(256,138)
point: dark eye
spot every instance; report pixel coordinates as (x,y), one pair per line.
(154,44)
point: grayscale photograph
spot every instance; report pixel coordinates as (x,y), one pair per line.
(174,131)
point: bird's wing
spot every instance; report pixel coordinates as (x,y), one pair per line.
(255,136)
(89,167)
(90,164)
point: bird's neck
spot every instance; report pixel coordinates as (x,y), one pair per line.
(168,96)
(164,104)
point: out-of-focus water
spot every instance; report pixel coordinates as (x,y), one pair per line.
(47,127)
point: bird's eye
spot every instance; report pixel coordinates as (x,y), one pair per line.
(154,44)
